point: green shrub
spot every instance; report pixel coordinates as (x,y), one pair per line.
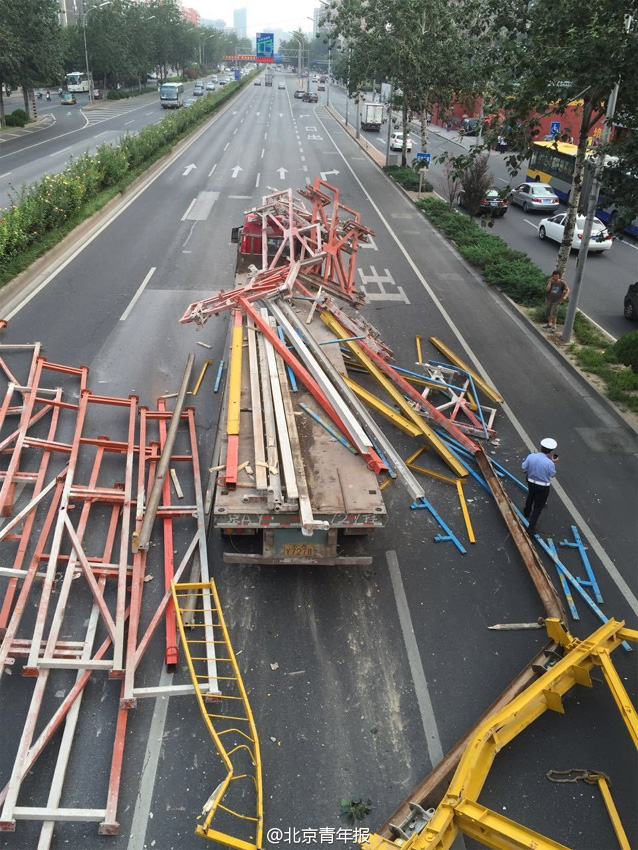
(114,94)
(17,118)
(625,350)
(407,177)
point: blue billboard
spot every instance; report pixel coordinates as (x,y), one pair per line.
(265,46)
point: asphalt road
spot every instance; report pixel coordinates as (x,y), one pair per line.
(607,275)
(380,670)
(69,131)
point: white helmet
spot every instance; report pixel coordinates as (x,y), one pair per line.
(549,443)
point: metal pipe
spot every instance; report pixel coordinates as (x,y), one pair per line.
(144,539)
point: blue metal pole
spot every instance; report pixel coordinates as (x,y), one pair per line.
(219,377)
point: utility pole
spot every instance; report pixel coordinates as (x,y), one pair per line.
(592,203)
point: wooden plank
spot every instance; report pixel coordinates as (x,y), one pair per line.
(275,496)
(285,451)
(261,477)
(305,508)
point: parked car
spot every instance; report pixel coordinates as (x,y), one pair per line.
(631,302)
(535,196)
(67,98)
(492,204)
(222,82)
(257,82)
(396,142)
(198,91)
(553,228)
(299,94)
(210,86)
(310,97)
(189,101)
(281,84)
(98,94)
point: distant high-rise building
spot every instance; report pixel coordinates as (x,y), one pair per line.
(240,24)
(217,24)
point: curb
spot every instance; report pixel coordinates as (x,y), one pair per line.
(627,419)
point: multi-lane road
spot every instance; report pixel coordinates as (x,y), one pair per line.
(359,679)
(607,275)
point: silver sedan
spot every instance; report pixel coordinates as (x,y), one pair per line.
(535,196)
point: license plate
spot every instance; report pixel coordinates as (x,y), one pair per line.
(300,550)
(493,203)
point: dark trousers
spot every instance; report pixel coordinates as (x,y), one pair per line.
(536,498)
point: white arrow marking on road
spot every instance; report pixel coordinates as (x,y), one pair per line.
(282,172)
(188,169)
(324,174)
(236,170)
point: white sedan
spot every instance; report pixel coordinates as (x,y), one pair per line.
(396,142)
(552,228)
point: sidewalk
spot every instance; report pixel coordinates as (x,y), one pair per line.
(41,123)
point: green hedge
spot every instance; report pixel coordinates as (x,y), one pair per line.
(407,177)
(502,266)
(40,208)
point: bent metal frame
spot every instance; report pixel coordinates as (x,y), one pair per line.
(85,496)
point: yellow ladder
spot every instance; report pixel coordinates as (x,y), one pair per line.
(224,706)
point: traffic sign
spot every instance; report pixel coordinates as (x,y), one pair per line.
(265,46)
(554,128)
(424,159)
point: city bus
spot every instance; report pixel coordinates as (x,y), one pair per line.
(553,163)
(77,81)
(172,95)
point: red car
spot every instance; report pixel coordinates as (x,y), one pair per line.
(98,94)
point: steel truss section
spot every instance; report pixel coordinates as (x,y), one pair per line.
(71,541)
(459,810)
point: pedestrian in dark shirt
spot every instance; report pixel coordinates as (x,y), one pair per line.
(540,468)
(557,292)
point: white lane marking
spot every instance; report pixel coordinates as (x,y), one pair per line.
(303,158)
(190,207)
(424,701)
(126,123)
(154,747)
(158,122)
(140,289)
(104,133)
(149,113)
(202,207)
(61,151)
(263,151)
(190,233)
(227,146)
(265,136)
(6,174)
(235,130)
(210,173)
(595,544)
(257,180)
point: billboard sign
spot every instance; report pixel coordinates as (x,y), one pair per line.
(265,46)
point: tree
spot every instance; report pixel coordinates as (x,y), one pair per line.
(30,45)
(547,55)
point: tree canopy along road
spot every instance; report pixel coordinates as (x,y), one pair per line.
(360,679)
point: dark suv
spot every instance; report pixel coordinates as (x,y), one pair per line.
(631,302)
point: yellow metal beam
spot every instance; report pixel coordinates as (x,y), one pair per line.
(207,363)
(489,391)
(496,831)
(620,695)
(409,412)
(429,472)
(234,376)
(612,811)
(466,515)
(418,348)
(384,409)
